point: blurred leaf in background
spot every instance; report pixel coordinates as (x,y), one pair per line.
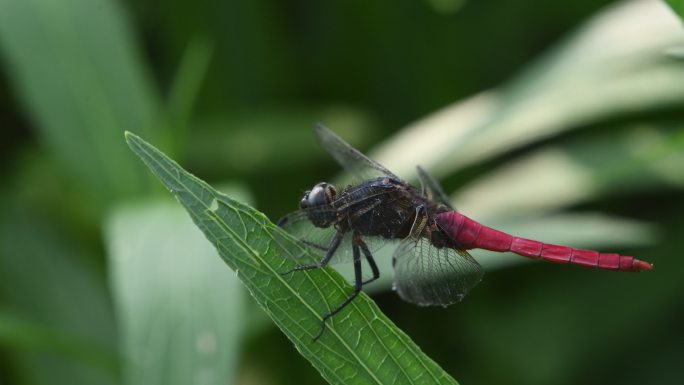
(76,68)
(181,311)
(77,73)
(58,305)
(677,6)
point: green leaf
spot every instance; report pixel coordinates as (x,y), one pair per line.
(18,332)
(675,52)
(185,88)
(612,66)
(359,346)
(677,6)
(181,318)
(80,77)
(635,157)
(46,280)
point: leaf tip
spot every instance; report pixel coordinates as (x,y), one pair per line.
(129,136)
(133,141)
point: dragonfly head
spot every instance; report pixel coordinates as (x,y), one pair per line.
(320,195)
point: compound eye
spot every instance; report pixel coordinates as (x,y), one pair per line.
(322,194)
(304,202)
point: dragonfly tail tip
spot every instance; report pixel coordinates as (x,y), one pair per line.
(641,265)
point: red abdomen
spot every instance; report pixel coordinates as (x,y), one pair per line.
(470,234)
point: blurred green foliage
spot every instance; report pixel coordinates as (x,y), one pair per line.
(558,119)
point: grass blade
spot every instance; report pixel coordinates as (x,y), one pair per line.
(181,318)
(360,345)
(185,89)
(612,66)
(637,158)
(24,335)
(76,69)
(67,336)
(677,6)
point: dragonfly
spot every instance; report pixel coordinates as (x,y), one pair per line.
(431,263)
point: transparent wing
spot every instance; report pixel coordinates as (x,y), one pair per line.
(432,189)
(357,164)
(298,225)
(318,239)
(426,275)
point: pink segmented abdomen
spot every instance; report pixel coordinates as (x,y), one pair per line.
(470,234)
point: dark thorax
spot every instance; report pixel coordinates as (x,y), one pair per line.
(381,207)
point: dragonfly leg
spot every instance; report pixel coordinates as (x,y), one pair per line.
(371,262)
(334,244)
(314,245)
(358,283)
(420,222)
